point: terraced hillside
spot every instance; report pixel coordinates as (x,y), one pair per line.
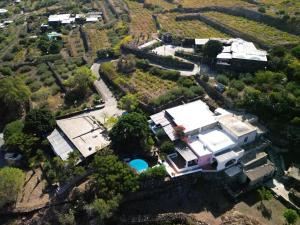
(266,34)
(142,25)
(191,29)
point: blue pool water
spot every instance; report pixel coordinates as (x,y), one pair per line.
(139,165)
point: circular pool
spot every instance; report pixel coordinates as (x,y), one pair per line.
(139,165)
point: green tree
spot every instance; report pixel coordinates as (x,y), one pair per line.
(212,48)
(39,122)
(131,133)
(167,147)
(291,216)
(129,102)
(11,181)
(14,95)
(264,194)
(112,177)
(127,64)
(79,84)
(104,209)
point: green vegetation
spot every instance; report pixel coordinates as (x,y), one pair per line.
(265,34)
(212,48)
(11,182)
(128,102)
(39,122)
(187,28)
(14,97)
(131,134)
(291,216)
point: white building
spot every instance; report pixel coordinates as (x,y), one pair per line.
(61,19)
(207,141)
(238,53)
(3,11)
(83,133)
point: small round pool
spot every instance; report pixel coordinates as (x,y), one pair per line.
(139,165)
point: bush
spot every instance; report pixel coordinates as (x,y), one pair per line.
(205,78)
(232,93)
(157,173)
(25,69)
(35,86)
(222,79)
(8,57)
(291,216)
(165,74)
(167,147)
(262,9)
(296,51)
(6,71)
(237,84)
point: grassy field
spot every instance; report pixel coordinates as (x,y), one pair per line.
(266,34)
(191,29)
(162,3)
(98,40)
(142,25)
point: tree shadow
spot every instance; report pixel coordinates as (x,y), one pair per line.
(265,212)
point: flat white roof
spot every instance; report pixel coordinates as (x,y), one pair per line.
(236,126)
(60,144)
(85,133)
(192,116)
(2,11)
(224,55)
(216,140)
(198,147)
(202,41)
(59,17)
(92,19)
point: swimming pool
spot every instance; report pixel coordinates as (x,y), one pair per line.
(139,165)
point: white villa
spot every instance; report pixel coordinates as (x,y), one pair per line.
(206,141)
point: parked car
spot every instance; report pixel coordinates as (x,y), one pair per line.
(220,87)
(13,158)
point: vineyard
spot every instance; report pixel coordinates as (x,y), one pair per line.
(142,26)
(162,3)
(266,34)
(75,44)
(145,85)
(190,29)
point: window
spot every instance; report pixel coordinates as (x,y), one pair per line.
(246,139)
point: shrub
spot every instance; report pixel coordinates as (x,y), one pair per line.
(167,147)
(205,78)
(25,69)
(291,216)
(165,74)
(296,51)
(222,79)
(157,173)
(262,9)
(35,86)
(6,71)
(232,93)
(237,84)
